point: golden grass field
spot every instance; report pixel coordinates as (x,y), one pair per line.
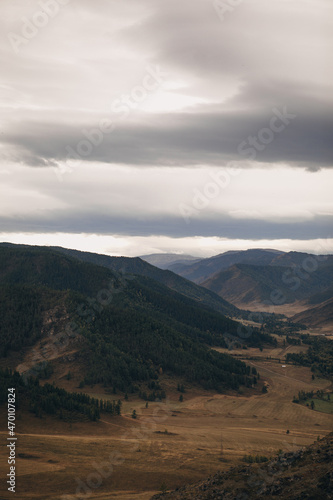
(170,442)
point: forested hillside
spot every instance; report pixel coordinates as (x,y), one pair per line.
(134,327)
(139,267)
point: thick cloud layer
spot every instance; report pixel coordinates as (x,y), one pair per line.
(206,136)
(153,85)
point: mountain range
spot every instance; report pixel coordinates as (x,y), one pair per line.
(138,266)
(133,321)
(258,279)
(203,269)
(167,260)
(122,330)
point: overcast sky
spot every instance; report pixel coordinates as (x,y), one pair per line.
(153,126)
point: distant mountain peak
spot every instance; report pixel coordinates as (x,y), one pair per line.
(165,260)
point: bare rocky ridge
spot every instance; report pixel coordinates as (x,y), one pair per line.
(54,344)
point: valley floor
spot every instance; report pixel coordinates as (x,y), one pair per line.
(169,444)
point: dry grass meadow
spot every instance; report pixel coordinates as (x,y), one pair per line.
(170,442)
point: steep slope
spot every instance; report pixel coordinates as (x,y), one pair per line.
(291,476)
(319,316)
(128,329)
(320,297)
(171,280)
(26,313)
(244,284)
(202,270)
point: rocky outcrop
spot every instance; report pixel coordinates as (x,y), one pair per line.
(304,474)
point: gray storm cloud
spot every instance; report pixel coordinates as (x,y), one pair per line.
(251,86)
